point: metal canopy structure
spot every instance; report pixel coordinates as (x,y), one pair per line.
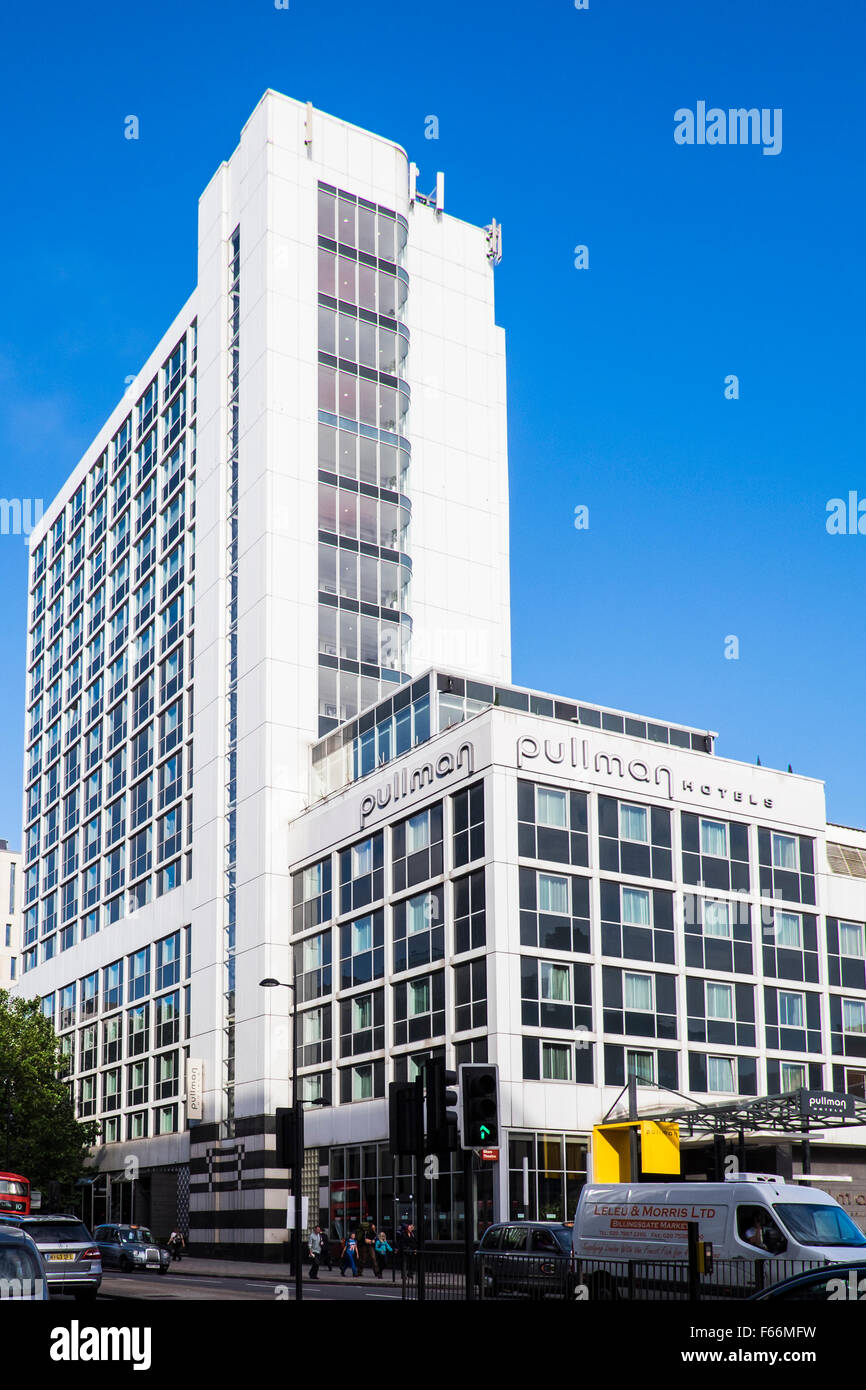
(796,1112)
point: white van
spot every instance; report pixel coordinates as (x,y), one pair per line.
(750,1216)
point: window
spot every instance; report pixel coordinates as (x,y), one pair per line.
(720,1075)
(553,894)
(793,1076)
(714,838)
(717,919)
(791,1010)
(167,961)
(720,1001)
(642,1066)
(362,1083)
(168,1019)
(556,1061)
(854,1016)
(417,832)
(633,823)
(421,911)
(638,992)
(636,907)
(556,982)
(419,997)
(785,852)
(139,974)
(551,808)
(789,930)
(851,940)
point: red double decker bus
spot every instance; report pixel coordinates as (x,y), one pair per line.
(14,1194)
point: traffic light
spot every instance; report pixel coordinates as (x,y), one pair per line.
(479,1091)
(441,1115)
(287,1137)
(405,1118)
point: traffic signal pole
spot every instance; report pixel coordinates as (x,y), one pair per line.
(468,1224)
(419,1179)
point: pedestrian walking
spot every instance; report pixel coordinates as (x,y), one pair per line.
(315,1247)
(371,1235)
(383,1248)
(349,1255)
(325,1261)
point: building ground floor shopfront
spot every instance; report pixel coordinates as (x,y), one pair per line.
(538,1176)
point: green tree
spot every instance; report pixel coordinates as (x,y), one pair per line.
(39,1134)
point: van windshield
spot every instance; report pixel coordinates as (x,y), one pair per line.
(819,1223)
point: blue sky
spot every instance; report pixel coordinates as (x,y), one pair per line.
(707,515)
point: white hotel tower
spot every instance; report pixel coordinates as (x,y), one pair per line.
(300,501)
(271,733)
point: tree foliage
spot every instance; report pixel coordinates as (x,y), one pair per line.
(39,1134)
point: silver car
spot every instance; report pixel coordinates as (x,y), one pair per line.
(22,1273)
(73,1264)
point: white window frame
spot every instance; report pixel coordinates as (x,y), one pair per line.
(778,835)
(859,1004)
(861,931)
(559,878)
(554,792)
(792,994)
(547,1049)
(644,893)
(722,1090)
(801,1068)
(634,806)
(549,965)
(729,988)
(725,935)
(641,1052)
(707,820)
(798,916)
(638,975)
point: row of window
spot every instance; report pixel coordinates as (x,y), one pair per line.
(144,414)
(81,998)
(636,839)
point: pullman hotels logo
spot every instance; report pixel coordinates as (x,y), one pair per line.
(405,783)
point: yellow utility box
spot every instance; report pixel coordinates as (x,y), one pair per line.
(659,1149)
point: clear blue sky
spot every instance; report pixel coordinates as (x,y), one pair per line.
(707,516)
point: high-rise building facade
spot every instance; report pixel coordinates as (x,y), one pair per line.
(300,500)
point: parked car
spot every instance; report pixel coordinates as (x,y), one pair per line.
(526,1257)
(832,1284)
(130,1247)
(21,1269)
(70,1256)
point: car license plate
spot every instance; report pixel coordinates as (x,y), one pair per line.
(152,1264)
(61,1257)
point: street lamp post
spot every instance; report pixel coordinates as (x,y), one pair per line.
(298,1117)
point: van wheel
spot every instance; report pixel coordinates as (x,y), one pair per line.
(125,1264)
(163,1269)
(602,1287)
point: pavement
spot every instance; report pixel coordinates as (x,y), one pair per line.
(271,1269)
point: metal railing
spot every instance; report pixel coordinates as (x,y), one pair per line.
(539,1276)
